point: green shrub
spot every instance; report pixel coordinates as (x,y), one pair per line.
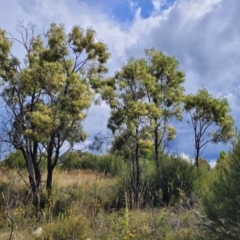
(110,164)
(221,203)
(70,160)
(107,164)
(72,228)
(89,161)
(174,181)
(14,159)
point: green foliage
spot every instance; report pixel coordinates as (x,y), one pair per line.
(14,159)
(220,204)
(222,161)
(174,181)
(204,176)
(111,164)
(70,160)
(210,119)
(149,92)
(146,94)
(164,91)
(108,164)
(204,165)
(47,95)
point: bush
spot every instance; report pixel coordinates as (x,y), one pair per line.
(89,161)
(13,159)
(16,159)
(75,228)
(110,164)
(107,164)
(221,203)
(70,160)
(174,181)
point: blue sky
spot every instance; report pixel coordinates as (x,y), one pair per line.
(124,10)
(203,35)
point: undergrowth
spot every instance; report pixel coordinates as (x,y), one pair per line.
(85,205)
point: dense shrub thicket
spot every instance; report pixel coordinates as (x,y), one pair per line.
(220,202)
(108,164)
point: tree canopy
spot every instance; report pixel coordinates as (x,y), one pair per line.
(45,95)
(210,120)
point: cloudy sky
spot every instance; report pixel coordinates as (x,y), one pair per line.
(203,35)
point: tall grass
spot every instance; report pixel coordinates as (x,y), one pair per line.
(88,204)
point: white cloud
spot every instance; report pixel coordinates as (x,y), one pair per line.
(157,5)
(193,9)
(186,157)
(212,163)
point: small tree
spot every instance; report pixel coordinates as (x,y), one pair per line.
(45,96)
(209,119)
(221,203)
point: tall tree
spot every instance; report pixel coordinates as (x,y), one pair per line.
(45,96)
(210,120)
(129,117)
(148,95)
(164,91)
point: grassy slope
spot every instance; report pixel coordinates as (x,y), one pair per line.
(81,208)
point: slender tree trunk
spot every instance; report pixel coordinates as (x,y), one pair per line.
(197,143)
(156,151)
(50,167)
(32,183)
(138,177)
(133,178)
(137,173)
(37,173)
(38,177)
(30,170)
(49,181)
(197,157)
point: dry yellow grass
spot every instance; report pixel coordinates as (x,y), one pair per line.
(89,196)
(60,178)
(79,177)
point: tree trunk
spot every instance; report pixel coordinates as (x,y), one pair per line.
(29,164)
(38,177)
(138,173)
(197,153)
(156,152)
(49,181)
(32,184)
(37,173)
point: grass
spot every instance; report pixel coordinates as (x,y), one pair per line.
(84,205)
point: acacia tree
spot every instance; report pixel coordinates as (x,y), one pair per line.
(209,119)
(148,95)
(45,96)
(164,91)
(129,117)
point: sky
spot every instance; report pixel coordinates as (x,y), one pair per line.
(203,35)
